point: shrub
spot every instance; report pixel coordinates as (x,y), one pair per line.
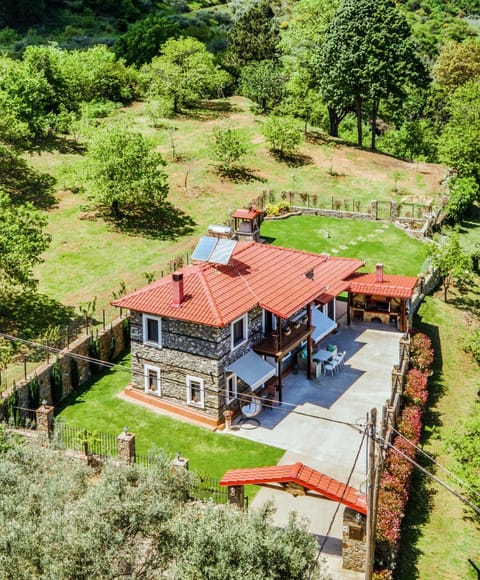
(416,391)
(56,382)
(34,393)
(421,352)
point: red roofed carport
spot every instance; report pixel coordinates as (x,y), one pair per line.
(297,479)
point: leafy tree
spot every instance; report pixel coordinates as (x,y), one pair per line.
(458,144)
(278,552)
(450,261)
(126,172)
(228,147)
(301,42)
(96,74)
(457,63)
(184,73)
(61,519)
(254,35)
(21,13)
(463,192)
(282,134)
(414,139)
(144,39)
(22,242)
(263,82)
(368,55)
(47,61)
(24,98)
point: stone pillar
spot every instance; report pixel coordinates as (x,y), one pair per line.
(236,495)
(373,210)
(180,462)
(126,446)
(354,548)
(44,418)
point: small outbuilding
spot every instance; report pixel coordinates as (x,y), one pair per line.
(381,298)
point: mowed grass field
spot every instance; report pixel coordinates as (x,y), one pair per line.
(89,257)
(368,241)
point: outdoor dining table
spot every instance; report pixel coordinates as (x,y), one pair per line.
(321,357)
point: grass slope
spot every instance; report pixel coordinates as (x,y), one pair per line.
(88,258)
(440,534)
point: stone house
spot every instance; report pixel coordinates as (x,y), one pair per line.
(207,336)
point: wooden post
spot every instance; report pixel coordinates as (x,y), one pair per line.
(309,343)
(372,495)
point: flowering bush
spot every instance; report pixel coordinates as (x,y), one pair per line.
(395,481)
(421,351)
(416,391)
(410,423)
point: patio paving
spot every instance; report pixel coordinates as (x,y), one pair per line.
(305,426)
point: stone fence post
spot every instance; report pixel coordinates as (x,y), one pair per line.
(236,495)
(44,418)
(354,548)
(126,446)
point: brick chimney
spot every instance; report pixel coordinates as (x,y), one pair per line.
(379,274)
(177,288)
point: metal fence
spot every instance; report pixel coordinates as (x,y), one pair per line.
(21,418)
(101,444)
(208,489)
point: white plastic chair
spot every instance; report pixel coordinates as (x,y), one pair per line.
(330,367)
(340,360)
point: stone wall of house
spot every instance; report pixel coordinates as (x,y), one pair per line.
(190,349)
(354,549)
(112,341)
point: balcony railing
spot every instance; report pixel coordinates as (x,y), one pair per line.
(279,343)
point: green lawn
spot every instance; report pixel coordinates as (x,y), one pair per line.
(369,241)
(98,408)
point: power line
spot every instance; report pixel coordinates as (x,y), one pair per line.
(464,483)
(290,407)
(339,501)
(426,472)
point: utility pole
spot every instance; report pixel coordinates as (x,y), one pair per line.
(371,493)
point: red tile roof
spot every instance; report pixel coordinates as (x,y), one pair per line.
(392,285)
(257,275)
(301,475)
(248,214)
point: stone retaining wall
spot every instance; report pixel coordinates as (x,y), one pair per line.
(112,342)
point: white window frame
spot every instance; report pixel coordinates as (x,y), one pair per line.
(201,403)
(146,371)
(231,377)
(244,320)
(146,318)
